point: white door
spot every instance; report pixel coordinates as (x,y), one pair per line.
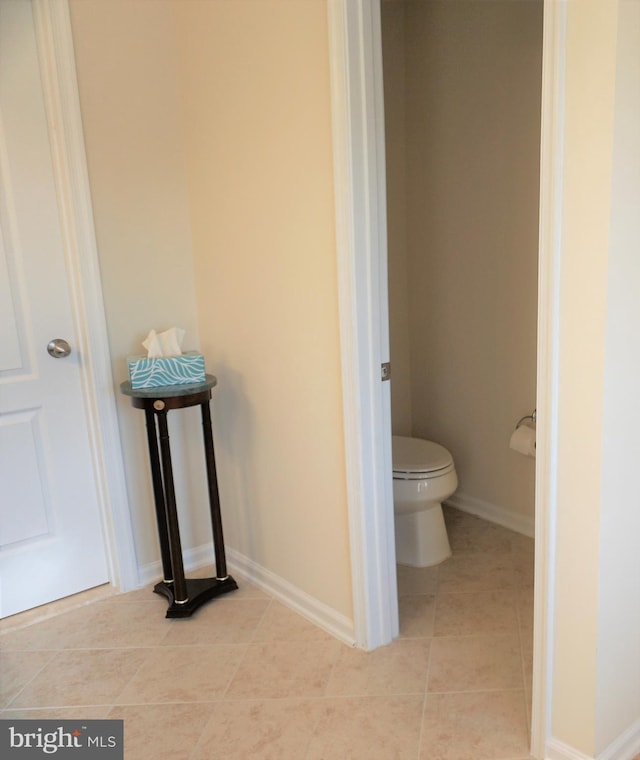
(51,538)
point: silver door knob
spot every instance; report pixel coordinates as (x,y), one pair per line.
(58,348)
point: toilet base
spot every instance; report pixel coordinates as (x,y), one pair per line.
(421,538)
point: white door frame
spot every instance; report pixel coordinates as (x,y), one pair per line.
(57,64)
(549,253)
(358,133)
(361,241)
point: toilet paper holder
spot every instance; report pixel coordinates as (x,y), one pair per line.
(531,417)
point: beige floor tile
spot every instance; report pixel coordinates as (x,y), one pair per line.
(110,625)
(368,728)
(81,677)
(162,731)
(284,669)
(399,668)
(233,622)
(526,642)
(475,663)
(523,557)
(525,609)
(477,572)
(248,678)
(477,726)
(525,573)
(416,616)
(418,580)
(451,514)
(80,712)
(259,729)
(183,674)
(282,624)
(53,609)
(521,543)
(469,534)
(105,624)
(484,538)
(17,669)
(146,594)
(50,633)
(470,614)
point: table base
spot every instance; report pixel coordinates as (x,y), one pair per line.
(199,591)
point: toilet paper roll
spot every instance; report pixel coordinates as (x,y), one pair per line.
(523,440)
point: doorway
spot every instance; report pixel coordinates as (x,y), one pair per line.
(462,86)
(356,78)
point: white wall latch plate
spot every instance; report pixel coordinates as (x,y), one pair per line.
(386,370)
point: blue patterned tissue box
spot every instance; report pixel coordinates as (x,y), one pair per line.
(166,370)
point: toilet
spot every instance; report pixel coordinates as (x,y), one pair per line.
(424,476)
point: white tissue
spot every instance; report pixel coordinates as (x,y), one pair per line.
(523,440)
(167,343)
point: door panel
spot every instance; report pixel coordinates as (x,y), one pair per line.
(50,526)
(20,467)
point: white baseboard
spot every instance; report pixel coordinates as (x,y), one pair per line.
(191,558)
(299,601)
(492,513)
(558,750)
(304,604)
(626,746)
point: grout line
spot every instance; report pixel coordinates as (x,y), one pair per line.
(259,623)
(312,733)
(425,697)
(35,675)
(196,746)
(223,696)
(33,708)
(523,668)
(114,702)
(514,689)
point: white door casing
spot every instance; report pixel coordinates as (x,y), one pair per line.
(361,242)
(63,484)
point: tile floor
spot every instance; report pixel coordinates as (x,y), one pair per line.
(246,678)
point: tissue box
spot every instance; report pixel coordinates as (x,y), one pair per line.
(167,370)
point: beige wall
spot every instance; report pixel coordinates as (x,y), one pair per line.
(472,131)
(395,97)
(216,117)
(587,182)
(257,125)
(127,74)
(596,689)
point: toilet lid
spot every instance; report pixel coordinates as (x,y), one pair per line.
(418,455)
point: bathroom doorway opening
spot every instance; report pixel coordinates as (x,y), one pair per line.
(462,88)
(462,97)
(356,59)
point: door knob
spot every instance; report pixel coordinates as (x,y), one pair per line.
(58,348)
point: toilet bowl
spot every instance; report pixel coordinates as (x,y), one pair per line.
(424,476)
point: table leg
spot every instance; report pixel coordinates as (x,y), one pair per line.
(158,496)
(214,498)
(179,583)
